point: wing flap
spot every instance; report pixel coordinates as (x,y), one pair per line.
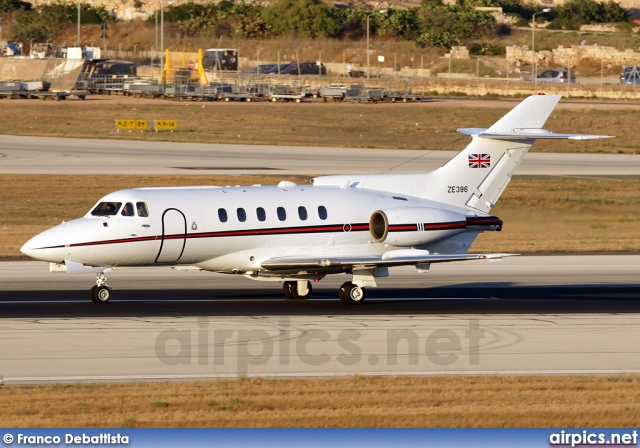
(388,259)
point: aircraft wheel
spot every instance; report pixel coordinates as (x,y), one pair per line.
(351,294)
(290,290)
(94,299)
(102,294)
(287,288)
(294,290)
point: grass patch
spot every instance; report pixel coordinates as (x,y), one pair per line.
(160,404)
(540,215)
(566,215)
(317,124)
(440,401)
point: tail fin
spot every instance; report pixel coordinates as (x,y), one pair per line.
(477,176)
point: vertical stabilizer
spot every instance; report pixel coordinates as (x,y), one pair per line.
(531,113)
(477,176)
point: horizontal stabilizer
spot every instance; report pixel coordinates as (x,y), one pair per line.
(527,134)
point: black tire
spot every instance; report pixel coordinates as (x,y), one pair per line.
(286,289)
(290,290)
(103,294)
(94,299)
(297,296)
(351,294)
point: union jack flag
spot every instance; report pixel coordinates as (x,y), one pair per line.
(479,160)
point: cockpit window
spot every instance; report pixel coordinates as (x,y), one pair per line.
(106,209)
(143,211)
(127,210)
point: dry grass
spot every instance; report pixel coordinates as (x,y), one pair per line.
(566,215)
(547,215)
(441,401)
(428,126)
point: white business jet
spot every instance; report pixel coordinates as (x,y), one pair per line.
(360,225)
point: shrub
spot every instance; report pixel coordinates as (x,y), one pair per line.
(13,5)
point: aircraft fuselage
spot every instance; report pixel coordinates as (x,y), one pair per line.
(233,229)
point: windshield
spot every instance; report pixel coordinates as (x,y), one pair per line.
(106,209)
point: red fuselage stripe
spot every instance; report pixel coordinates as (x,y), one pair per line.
(360,227)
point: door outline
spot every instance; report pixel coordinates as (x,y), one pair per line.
(162,239)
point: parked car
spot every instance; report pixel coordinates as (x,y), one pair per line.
(632,78)
(299,68)
(555,75)
(260,69)
(630,75)
(278,68)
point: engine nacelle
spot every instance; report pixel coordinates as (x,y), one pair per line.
(413,226)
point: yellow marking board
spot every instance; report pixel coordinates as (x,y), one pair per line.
(131,124)
(125,124)
(165,125)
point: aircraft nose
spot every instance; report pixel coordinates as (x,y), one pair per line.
(47,246)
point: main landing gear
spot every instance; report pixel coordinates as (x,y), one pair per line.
(100,293)
(299,290)
(349,293)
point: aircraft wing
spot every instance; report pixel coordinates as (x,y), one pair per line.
(392,258)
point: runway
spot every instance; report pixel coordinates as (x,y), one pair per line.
(40,155)
(529,314)
(559,314)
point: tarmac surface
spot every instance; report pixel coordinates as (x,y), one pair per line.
(529,314)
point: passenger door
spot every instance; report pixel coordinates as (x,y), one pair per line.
(174,234)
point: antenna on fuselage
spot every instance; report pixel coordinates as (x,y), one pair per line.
(419,157)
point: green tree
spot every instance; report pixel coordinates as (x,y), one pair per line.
(575,13)
(27,27)
(311,18)
(397,23)
(13,5)
(446,26)
(614,13)
(250,21)
(352,22)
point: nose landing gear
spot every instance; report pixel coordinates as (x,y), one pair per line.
(101,293)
